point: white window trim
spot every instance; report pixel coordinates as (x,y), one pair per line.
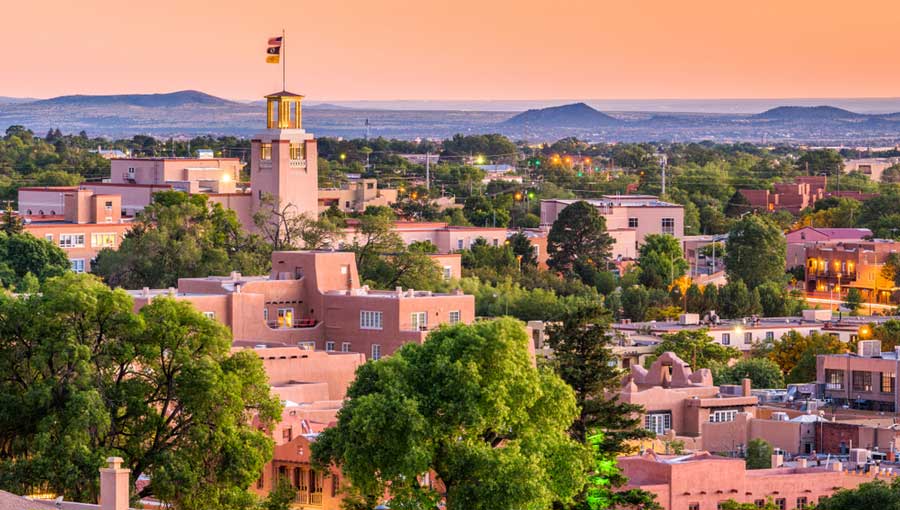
(371,319)
(65,241)
(450,316)
(376,351)
(329,346)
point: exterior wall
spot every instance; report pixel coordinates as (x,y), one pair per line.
(293,182)
(292,461)
(356,196)
(845,392)
(871,167)
(163,170)
(709,480)
(52,231)
(835,267)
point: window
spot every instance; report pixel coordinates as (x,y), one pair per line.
(287,434)
(834,379)
(48,238)
(770,336)
(459,244)
(723,415)
(760,503)
(693,506)
(261,482)
(748,338)
(448,272)
(285,317)
(781,503)
(376,351)
(658,423)
(210,315)
(77,265)
(726,338)
(496,242)
(103,240)
(370,320)
(419,321)
(108,205)
(668,226)
(265,151)
(266,314)
(632,222)
(887,382)
(329,346)
(296,151)
(345,346)
(453,317)
(71,240)
(345,269)
(307,346)
(801,502)
(862,380)
(335,483)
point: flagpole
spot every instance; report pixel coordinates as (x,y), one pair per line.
(283,55)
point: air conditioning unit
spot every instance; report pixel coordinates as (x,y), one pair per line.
(869,348)
(689,319)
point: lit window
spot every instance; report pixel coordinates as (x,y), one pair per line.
(285,317)
(296,151)
(834,379)
(71,240)
(77,265)
(376,351)
(887,382)
(370,320)
(265,151)
(453,317)
(103,240)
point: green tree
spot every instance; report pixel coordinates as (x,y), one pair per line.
(523,249)
(759,454)
(661,261)
(23,254)
(755,251)
(605,482)
(283,227)
(875,494)
(796,353)
(12,224)
(583,358)
(697,348)
(853,301)
(468,406)
(888,332)
(737,301)
(777,301)
(827,161)
(578,236)
(181,236)
(635,302)
(88,378)
(762,372)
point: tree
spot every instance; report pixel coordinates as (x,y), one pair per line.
(468,406)
(578,235)
(694,300)
(605,482)
(737,205)
(181,236)
(777,301)
(853,301)
(796,353)
(874,494)
(737,301)
(762,372)
(815,162)
(88,378)
(889,334)
(523,249)
(635,302)
(285,228)
(661,261)
(697,348)
(755,251)
(23,254)
(12,224)
(583,358)
(891,174)
(759,454)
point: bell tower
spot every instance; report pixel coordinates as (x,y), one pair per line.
(283,158)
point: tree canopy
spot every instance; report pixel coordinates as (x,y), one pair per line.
(22,254)
(697,348)
(87,378)
(578,237)
(469,406)
(755,251)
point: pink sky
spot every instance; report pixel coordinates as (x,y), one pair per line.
(460,49)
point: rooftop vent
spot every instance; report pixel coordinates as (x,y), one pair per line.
(869,348)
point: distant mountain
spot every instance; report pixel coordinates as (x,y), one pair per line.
(809,113)
(327,106)
(576,115)
(173,99)
(15,100)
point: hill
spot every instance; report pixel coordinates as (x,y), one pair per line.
(172,99)
(808,113)
(576,115)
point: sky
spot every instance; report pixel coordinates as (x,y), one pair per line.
(455,50)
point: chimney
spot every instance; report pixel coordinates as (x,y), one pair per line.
(777,459)
(114,485)
(801,463)
(745,387)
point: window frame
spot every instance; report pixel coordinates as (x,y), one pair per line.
(371,320)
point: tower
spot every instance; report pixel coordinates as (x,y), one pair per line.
(283,158)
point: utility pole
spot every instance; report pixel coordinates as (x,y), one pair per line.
(428,170)
(663,161)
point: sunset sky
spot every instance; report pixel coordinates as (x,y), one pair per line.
(461,49)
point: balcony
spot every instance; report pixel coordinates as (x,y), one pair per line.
(306,498)
(297,324)
(297,163)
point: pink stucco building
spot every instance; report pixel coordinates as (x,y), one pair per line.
(702,481)
(629,219)
(316,300)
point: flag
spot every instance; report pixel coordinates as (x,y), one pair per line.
(272,59)
(275,41)
(274,50)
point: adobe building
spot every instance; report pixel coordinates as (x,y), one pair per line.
(629,219)
(315,300)
(865,379)
(873,168)
(356,195)
(679,401)
(788,196)
(798,240)
(833,268)
(703,481)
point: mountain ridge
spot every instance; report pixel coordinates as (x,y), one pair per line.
(574,115)
(162,100)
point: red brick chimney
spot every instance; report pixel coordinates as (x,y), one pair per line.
(745,387)
(114,485)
